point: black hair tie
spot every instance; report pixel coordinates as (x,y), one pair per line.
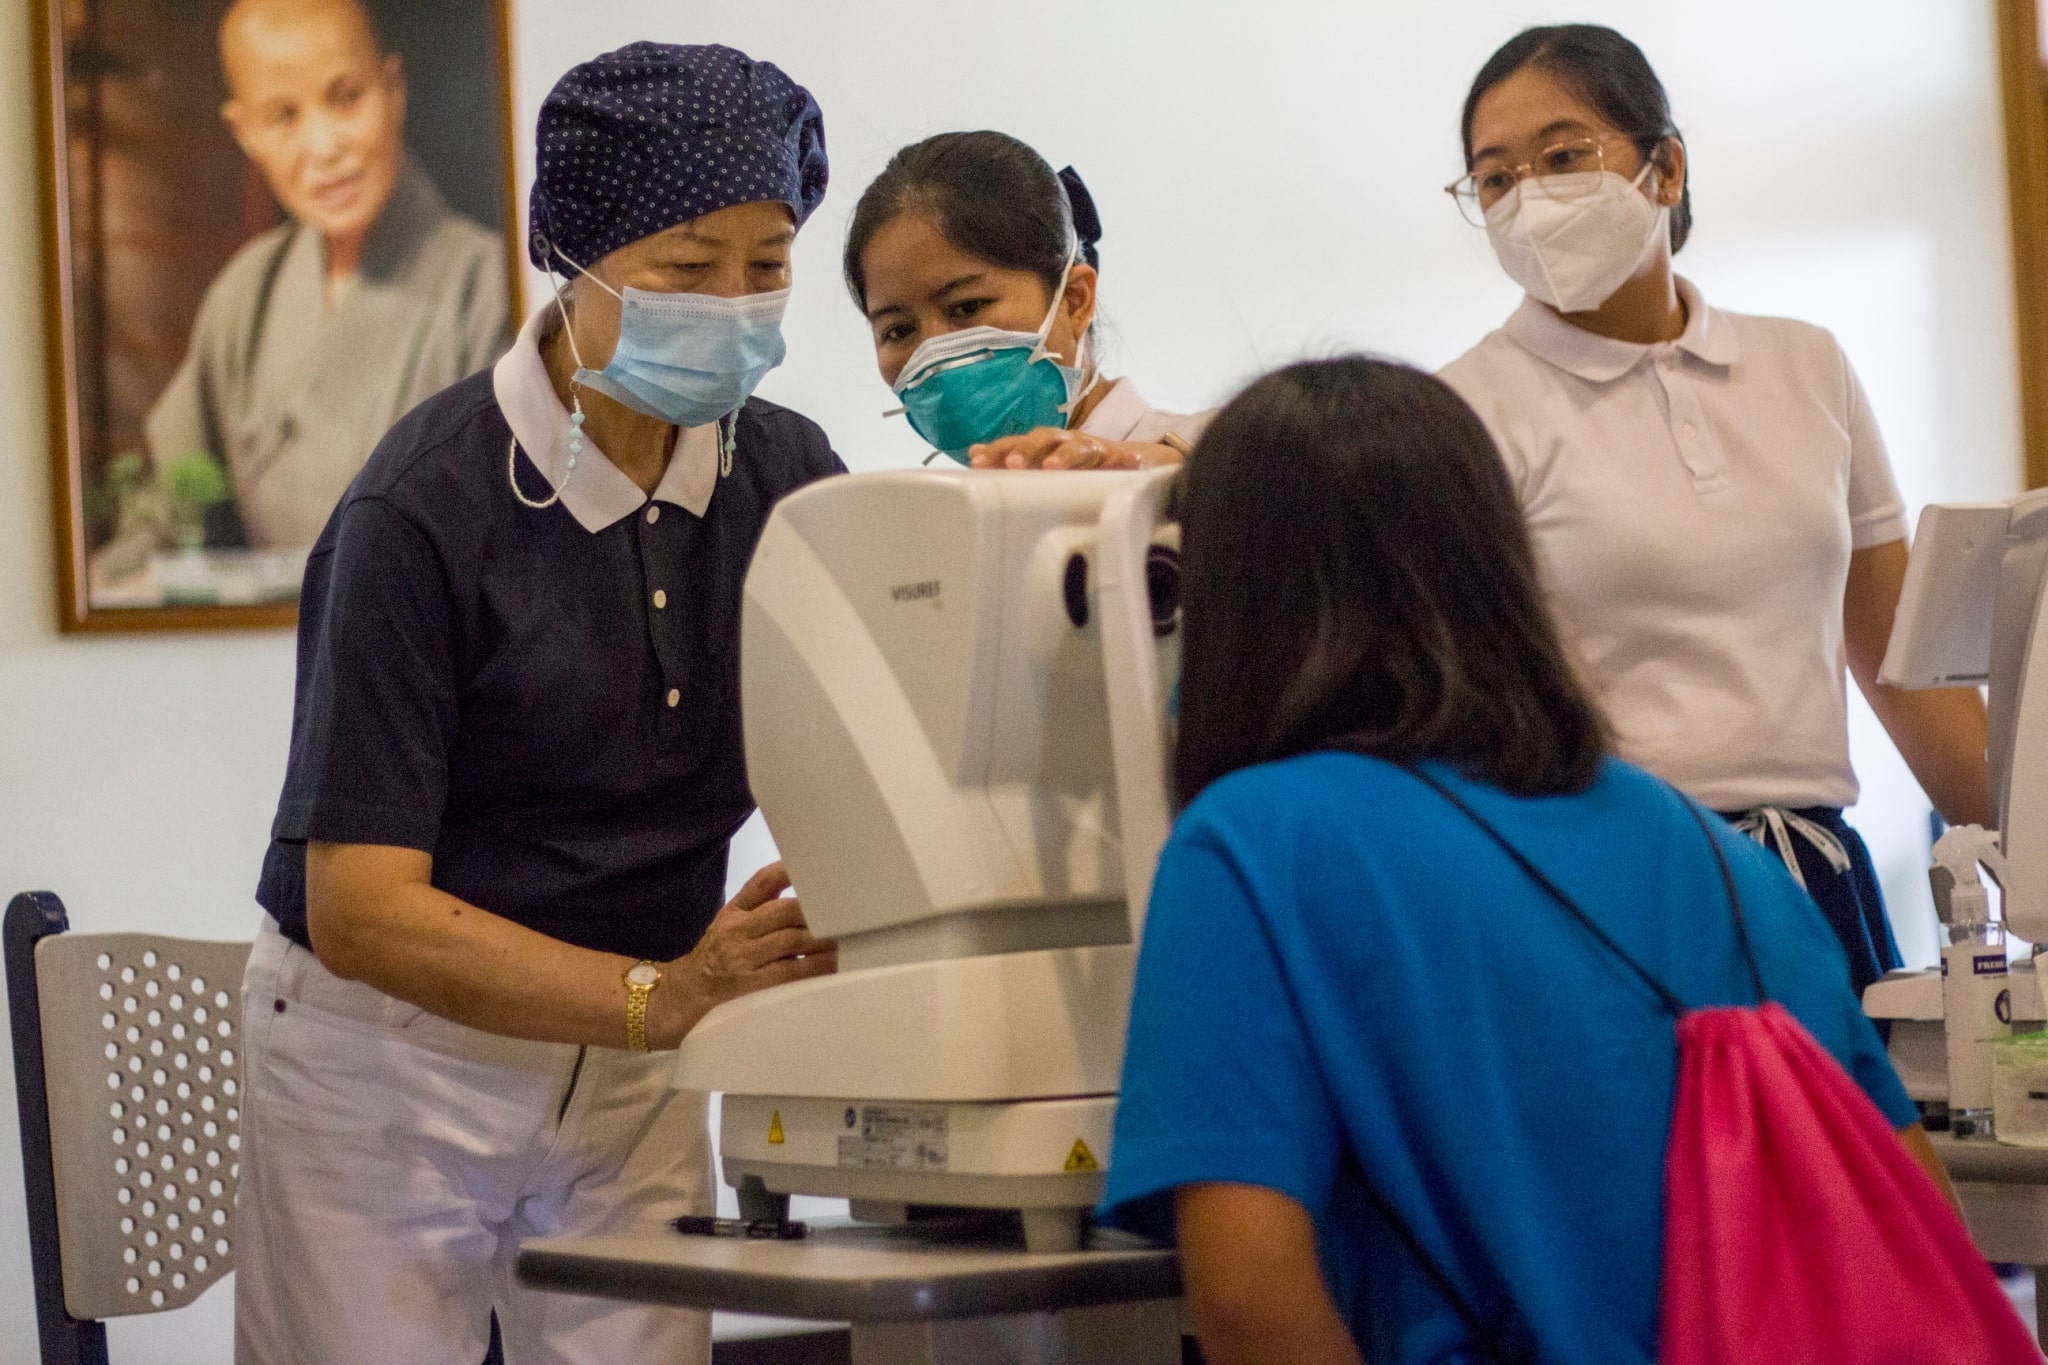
(1087,222)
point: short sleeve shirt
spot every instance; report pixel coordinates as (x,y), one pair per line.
(1124,415)
(545,700)
(1694,505)
(1348,994)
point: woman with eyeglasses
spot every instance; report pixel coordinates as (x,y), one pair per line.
(1709,496)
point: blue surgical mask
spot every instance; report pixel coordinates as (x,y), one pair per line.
(980,384)
(688,359)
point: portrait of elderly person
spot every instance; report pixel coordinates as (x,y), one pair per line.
(497,867)
(372,297)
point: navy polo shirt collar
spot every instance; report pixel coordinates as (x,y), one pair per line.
(596,492)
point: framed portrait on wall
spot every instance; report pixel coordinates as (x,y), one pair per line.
(271,227)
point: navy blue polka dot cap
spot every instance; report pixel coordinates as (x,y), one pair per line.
(655,134)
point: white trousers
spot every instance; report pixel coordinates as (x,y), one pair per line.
(393,1161)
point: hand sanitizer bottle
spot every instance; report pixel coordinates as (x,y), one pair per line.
(1976,1004)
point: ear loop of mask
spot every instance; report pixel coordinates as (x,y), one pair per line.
(1084,344)
(1084,347)
(575,417)
(561,307)
(728,439)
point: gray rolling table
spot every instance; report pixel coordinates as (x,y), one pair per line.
(922,1296)
(914,1296)
(2004,1193)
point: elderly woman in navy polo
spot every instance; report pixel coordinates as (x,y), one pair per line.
(496,870)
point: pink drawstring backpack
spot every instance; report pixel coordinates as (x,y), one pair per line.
(1798,1230)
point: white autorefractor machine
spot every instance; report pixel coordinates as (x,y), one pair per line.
(952,686)
(1971,613)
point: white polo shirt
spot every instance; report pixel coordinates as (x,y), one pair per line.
(1694,505)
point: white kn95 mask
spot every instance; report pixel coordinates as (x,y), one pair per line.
(1572,240)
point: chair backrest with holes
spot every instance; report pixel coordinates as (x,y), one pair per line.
(141,1053)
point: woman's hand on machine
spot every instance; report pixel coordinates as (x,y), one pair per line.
(1058,448)
(759,939)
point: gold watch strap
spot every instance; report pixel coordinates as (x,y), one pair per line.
(637,993)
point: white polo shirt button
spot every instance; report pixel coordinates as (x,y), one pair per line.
(675,696)
(653,513)
(661,597)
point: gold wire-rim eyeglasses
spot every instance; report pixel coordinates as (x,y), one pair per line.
(1573,156)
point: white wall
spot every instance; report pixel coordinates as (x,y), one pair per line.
(1268,178)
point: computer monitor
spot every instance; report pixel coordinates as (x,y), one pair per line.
(1969,613)
(1942,634)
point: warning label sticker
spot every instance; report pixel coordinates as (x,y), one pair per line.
(775,1138)
(896,1137)
(1081,1159)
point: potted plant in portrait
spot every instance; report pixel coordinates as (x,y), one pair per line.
(159,516)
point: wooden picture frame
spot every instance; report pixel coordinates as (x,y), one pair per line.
(2023,80)
(154,203)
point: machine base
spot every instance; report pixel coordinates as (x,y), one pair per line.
(1045,1158)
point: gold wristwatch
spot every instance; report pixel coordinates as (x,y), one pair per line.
(641,979)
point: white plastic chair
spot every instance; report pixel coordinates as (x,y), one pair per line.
(127,1064)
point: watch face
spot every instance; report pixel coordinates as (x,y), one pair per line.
(643,974)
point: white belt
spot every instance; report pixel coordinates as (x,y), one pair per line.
(1774,826)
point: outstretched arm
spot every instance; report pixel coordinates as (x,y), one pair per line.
(374,915)
(1941,732)
(1914,1138)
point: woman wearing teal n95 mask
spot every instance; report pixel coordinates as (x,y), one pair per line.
(976,268)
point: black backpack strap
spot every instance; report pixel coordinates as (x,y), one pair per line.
(1664,993)
(1489,1337)
(1756,976)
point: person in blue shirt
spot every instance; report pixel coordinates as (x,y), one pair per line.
(1393,1103)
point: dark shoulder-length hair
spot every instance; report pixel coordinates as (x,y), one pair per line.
(1356,573)
(1608,72)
